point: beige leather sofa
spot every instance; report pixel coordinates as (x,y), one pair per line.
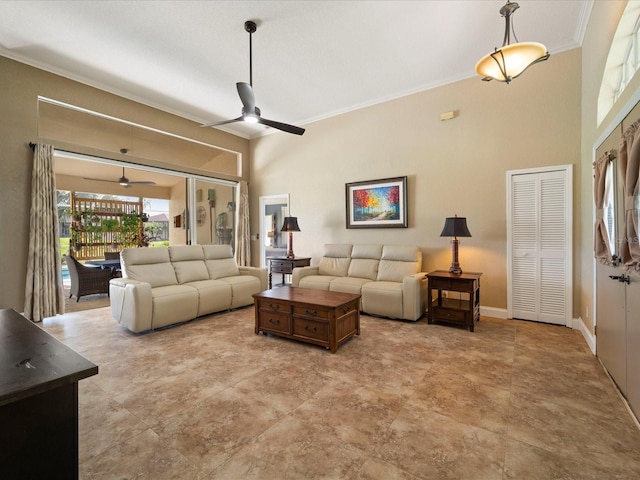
(161,286)
(388,277)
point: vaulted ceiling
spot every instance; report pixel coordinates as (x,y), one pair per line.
(311,59)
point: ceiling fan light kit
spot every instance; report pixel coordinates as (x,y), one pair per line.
(250,112)
(511,60)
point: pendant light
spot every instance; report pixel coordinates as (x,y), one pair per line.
(508,62)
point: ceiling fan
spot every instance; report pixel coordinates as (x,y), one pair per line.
(250,112)
(124,181)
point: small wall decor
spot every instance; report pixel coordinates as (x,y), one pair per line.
(377,203)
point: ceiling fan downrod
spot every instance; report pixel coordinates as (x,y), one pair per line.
(250,26)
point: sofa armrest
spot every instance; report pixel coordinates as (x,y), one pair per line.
(414,295)
(131,303)
(300,272)
(259,273)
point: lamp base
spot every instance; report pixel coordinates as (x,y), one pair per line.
(290,252)
(455,266)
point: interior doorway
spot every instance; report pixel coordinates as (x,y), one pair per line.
(273,243)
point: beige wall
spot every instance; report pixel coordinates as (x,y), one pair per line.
(20,87)
(453,167)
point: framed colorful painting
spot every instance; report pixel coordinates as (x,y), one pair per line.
(377,203)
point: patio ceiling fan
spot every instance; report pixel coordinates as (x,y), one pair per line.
(124,181)
(250,112)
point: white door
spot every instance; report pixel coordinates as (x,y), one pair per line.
(539,250)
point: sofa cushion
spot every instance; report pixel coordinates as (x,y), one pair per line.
(213,296)
(335,260)
(348,284)
(383,298)
(317,282)
(398,262)
(242,289)
(188,263)
(173,304)
(220,262)
(364,268)
(150,265)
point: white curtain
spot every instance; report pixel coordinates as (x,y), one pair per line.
(243,243)
(44,294)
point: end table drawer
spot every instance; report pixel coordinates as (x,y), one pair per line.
(273,321)
(450,315)
(281,267)
(317,330)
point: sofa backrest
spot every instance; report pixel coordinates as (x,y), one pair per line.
(151,265)
(365,260)
(399,261)
(335,259)
(188,263)
(220,261)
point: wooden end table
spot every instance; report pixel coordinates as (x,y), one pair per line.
(285,266)
(454,310)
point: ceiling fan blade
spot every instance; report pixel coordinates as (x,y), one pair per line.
(223,122)
(246,96)
(100,180)
(281,126)
(141,183)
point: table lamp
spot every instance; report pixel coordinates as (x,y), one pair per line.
(290,225)
(455,227)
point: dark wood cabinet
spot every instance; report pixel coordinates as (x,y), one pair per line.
(462,306)
(285,266)
(38,401)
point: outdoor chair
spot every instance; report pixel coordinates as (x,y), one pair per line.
(87,280)
(116,271)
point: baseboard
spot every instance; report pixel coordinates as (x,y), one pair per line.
(493,312)
(589,337)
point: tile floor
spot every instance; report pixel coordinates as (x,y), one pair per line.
(210,399)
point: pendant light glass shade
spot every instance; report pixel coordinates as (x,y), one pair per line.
(509,61)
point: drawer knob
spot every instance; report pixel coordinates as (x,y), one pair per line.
(275,306)
(274,321)
(313,313)
(310,329)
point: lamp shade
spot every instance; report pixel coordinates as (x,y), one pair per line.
(508,62)
(290,225)
(455,227)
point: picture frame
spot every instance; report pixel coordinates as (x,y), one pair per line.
(377,203)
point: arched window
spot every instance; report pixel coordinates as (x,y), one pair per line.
(623,60)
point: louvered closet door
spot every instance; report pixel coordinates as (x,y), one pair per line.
(539,251)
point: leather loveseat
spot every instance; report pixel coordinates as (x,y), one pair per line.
(388,277)
(161,286)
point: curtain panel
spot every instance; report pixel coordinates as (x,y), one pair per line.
(629,171)
(44,294)
(601,244)
(243,243)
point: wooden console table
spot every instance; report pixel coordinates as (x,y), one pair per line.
(454,310)
(285,266)
(38,401)
(320,317)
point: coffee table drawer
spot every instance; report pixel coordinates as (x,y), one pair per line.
(274,305)
(311,312)
(274,321)
(311,329)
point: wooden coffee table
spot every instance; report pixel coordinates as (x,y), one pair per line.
(320,317)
